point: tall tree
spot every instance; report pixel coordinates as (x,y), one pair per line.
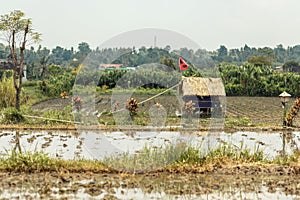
(291,66)
(84,50)
(17,31)
(44,55)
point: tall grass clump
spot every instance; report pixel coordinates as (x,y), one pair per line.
(146,159)
(64,114)
(230,153)
(11,115)
(35,161)
(149,159)
(7,92)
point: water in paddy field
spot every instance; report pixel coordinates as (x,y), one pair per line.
(98,145)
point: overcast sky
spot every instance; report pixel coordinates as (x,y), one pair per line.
(210,23)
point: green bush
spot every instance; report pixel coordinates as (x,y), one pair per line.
(58,80)
(27,162)
(8,92)
(11,116)
(30,84)
(64,114)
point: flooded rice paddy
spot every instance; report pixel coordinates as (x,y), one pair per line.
(152,185)
(98,145)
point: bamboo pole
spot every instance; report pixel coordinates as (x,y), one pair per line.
(150,97)
(158,94)
(58,120)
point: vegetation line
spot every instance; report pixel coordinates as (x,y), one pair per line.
(58,120)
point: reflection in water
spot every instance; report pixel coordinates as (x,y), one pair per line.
(289,140)
(17,142)
(156,186)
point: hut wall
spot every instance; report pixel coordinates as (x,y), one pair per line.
(200,102)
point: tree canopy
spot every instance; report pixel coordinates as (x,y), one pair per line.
(17,31)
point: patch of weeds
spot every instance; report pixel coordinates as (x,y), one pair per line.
(64,114)
(286,159)
(27,162)
(140,121)
(191,155)
(146,159)
(12,116)
(153,158)
(81,166)
(232,122)
(223,154)
(30,162)
(107,121)
(231,152)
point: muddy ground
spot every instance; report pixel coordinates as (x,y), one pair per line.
(230,181)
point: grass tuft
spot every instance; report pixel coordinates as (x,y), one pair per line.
(177,158)
(27,162)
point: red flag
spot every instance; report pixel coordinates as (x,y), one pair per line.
(182,64)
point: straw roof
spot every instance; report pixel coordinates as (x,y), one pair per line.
(202,86)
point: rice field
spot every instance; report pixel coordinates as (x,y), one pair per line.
(260,110)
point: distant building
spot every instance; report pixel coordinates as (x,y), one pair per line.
(278,68)
(110,66)
(114,66)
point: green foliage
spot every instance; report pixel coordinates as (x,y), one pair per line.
(190,155)
(251,80)
(59,79)
(149,159)
(168,62)
(260,60)
(242,122)
(64,114)
(146,159)
(291,66)
(11,116)
(223,153)
(30,84)
(27,162)
(286,159)
(15,23)
(7,92)
(232,152)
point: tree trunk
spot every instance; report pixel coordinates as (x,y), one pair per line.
(18,95)
(18,67)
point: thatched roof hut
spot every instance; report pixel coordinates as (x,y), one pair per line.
(205,94)
(198,86)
